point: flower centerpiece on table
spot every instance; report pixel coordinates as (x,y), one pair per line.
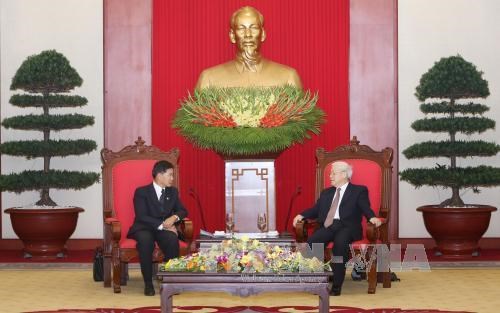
(248,120)
(245,256)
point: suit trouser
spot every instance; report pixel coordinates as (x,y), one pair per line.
(168,243)
(341,238)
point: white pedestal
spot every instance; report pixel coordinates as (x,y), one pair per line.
(250,190)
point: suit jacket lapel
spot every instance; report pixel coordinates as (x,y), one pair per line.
(152,192)
(154,197)
(329,199)
(346,196)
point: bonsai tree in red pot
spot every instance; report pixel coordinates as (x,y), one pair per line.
(45,77)
(449,91)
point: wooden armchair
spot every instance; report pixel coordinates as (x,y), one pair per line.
(122,173)
(372,169)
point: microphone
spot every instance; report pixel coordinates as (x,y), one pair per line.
(292,200)
(194,194)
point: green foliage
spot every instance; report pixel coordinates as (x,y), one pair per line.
(467,125)
(48,71)
(48,74)
(52,122)
(250,140)
(245,121)
(36,149)
(452,78)
(445,107)
(33,180)
(449,149)
(51,101)
(469,177)
(449,80)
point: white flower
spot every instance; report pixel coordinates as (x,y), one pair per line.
(245,111)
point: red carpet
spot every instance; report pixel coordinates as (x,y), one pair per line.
(256,309)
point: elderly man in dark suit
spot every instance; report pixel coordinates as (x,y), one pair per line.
(157,209)
(339,210)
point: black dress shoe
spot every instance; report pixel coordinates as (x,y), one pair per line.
(335,291)
(149,290)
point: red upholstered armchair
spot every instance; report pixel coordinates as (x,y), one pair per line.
(372,169)
(122,173)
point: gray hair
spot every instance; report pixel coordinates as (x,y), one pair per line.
(341,166)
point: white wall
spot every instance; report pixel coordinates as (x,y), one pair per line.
(74,28)
(429,30)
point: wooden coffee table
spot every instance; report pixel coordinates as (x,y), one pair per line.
(243,285)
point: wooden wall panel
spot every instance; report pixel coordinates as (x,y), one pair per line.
(373,80)
(127,72)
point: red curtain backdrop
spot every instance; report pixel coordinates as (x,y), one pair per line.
(190,35)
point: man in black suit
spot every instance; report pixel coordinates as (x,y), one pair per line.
(157,209)
(339,210)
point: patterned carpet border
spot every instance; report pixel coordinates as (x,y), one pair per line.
(251,309)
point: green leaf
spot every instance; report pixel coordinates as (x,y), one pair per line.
(449,149)
(452,78)
(51,101)
(36,180)
(45,73)
(467,125)
(446,107)
(289,100)
(469,177)
(51,122)
(34,148)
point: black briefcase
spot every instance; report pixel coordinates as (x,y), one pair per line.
(98,267)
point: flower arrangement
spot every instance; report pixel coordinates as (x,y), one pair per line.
(248,120)
(245,256)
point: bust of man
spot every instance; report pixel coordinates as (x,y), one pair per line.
(249,68)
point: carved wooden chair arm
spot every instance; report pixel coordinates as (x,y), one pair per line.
(110,220)
(186,228)
(373,233)
(115,228)
(302,229)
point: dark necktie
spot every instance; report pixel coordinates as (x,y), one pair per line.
(333,209)
(162,197)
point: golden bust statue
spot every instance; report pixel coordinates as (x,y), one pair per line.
(249,68)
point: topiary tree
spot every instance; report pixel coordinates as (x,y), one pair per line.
(45,76)
(451,81)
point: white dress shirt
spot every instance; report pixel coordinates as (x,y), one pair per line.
(158,190)
(342,191)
